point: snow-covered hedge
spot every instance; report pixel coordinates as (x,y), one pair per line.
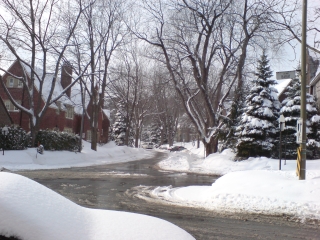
(16,139)
(52,140)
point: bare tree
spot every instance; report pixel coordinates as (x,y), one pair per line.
(287,20)
(102,31)
(167,106)
(204,46)
(129,87)
(37,34)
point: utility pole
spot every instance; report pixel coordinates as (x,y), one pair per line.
(303,114)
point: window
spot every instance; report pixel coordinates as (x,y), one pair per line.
(20,84)
(69,113)
(68,130)
(10,82)
(89,135)
(14,83)
(9,105)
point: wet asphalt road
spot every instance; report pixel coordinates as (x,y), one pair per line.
(114,187)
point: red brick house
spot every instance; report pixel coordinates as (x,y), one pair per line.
(103,125)
(63,115)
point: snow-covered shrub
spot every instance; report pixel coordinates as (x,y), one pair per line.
(16,139)
(57,141)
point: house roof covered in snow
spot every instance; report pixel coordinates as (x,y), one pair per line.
(106,112)
(46,87)
(282,85)
(75,97)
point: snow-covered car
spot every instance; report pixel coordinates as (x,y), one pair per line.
(176,148)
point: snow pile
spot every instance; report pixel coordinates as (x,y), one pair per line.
(32,211)
(106,154)
(251,186)
(253,191)
(176,162)
(215,164)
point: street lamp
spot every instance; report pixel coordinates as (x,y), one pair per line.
(281,126)
(5,131)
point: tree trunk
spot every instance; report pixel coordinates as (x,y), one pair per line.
(126,139)
(136,142)
(94,138)
(170,137)
(161,137)
(33,137)
(94,128)
(198,142)
(211,147)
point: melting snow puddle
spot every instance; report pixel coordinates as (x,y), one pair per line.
(124,174)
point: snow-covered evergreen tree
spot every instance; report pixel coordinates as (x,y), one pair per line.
(119,129)
(258,129)
(155,133)
(291,111)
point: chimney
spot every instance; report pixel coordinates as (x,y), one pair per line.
(66,72)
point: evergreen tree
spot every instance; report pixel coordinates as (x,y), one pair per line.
(291,106)
(258,129)
(119,129)
(155,133)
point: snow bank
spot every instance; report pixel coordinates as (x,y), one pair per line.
(255,191)
(106,154)
(254,185)
(31,211)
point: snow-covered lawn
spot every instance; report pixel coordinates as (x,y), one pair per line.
(31,211)
(252,186)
